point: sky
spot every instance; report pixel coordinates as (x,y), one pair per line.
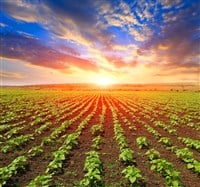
(85,41)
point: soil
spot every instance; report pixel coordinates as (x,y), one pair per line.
(129,105)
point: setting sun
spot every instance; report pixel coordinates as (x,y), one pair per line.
(104,81)
(90,88)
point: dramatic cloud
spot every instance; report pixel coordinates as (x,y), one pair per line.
(178,45)
(72,20)
(122,37)
(31,50)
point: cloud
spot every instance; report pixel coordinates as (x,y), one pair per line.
(69,50)
(68,20)
(178,44)
(119,62)
(178,74)
(21,10)
(167,4)
(112,36)
(74,10)
(31,50)
(3,25)
(11,75)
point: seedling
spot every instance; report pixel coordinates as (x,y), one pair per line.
(93,168)
(41,180)
(7,172)
(142,142)
(166,141)
(133,174)
(96,129)
(152,154)
(126,155)
(36,151)
(96,142)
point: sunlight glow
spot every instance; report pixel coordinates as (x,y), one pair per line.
(103,81)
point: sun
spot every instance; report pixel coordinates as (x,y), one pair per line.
(104,81)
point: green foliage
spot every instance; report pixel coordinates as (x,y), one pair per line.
(37,121)
(41,180)
(133,174)
(121,140)
(47,141)
(71,140)
(3,127)
(7,172)
(153,131)
(187,156)
(166,141)
(35,151)
(152,154)
(96,142)
(16,142)
(172,148)
(166,127)
(59,130)
(119,136)
(55,166)
(42,128)
(195,144)
(126,155)
(21,108)
(96,129)
(12,132)
(93,168)
(172,178)
(162,166)
(195,165)
(142,142)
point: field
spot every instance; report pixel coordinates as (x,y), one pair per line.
(111,138)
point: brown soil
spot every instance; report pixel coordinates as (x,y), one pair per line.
(109,150)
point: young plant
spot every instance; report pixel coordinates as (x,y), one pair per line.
(35,151)
(16,142)
(152,154)
(55,166)
(185,155)
(71,140)
(162,166)
(153,131)
(41,180)
(12,132)
(166,141)
(195,165)
(97,129)
(195,144)
(37,121)
(126,155)
(93,168)
(47,141)
(133,174)
(142,142)
(42,128)
(96,142)
(7,172)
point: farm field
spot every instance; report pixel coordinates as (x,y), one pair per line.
(99,138)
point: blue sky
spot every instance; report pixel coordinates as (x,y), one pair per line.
(47,41)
